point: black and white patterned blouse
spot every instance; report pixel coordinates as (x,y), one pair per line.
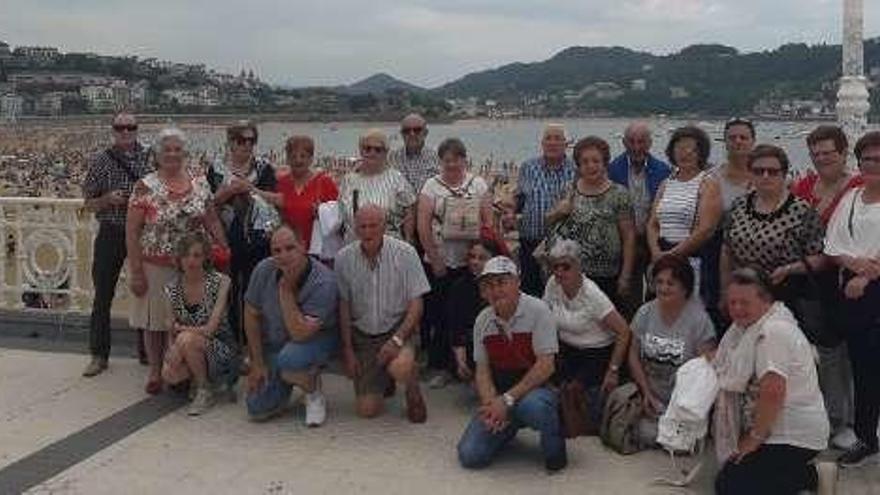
(770,240)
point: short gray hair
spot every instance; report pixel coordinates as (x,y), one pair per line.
(169,133)
(566,248)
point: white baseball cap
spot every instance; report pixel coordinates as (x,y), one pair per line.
(500,265)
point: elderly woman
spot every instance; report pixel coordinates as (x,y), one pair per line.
(823,189)
(597,213)
(165,205)
(853,242)
(464,304)
(203,347)
(302,188)
(593,336)
(244,194)
(688,206)
(771,229)
(453,196)
(374,182)
(667,332)
(770,421)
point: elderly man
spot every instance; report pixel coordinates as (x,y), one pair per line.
(541,183)
(415,162)
(111,175)
(515,345)
(381,284)
(641,173)
(290,311)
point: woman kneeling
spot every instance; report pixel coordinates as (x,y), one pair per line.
(203,348)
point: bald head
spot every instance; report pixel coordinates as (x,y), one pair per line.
(369,225)
(637,141)
(553,143)
(414,129)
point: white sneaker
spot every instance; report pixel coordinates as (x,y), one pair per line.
(844,439)
(202,402)
(440,380)
(316,409)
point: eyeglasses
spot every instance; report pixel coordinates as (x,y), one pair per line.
(125,127)
(412,130)
(245,140)
(562,266)
(767,171)
(372,149)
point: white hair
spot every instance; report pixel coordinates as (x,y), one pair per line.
(566,248)
(169,133)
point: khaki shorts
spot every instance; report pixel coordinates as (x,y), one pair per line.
(152,311)
(374,378)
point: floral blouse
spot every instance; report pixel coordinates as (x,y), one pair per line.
(166,217)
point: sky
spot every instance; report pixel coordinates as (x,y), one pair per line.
(425,42)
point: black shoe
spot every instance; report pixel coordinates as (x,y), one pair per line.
(857,455)
(557,462)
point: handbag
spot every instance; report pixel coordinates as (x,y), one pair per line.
(221,256)
(574,411)
(460,220)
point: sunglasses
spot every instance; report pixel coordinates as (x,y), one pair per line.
(564,266)
(767,172)
(412,130)
(373,149)
(125,127)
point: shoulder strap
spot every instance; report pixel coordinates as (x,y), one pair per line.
(852,210)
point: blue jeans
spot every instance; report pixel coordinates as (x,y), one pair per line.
(293,357)
(538,410)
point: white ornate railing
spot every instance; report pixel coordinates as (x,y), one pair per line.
(46,257)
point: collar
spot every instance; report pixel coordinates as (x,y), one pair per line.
(629,163)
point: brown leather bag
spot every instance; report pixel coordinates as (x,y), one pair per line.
(574,411)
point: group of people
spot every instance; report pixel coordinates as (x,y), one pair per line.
(627,269)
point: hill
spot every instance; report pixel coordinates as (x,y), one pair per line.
(380,83)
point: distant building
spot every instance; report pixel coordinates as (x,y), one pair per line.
(139,95)
(37,54)
(11,106)
(4,50)
(638,85)
(49,103)
(679,92)
(72,79)
(99,98)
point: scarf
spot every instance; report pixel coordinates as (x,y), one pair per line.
(735,364)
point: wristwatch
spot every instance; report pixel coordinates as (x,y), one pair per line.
(613,367)
(508,399)
(397,340)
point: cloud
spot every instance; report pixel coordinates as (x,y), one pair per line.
(427,42)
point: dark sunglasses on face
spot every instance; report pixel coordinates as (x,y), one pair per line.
(373,149)
(412,130)
(125,127)
(767,172)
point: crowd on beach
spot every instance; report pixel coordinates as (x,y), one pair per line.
(651,297)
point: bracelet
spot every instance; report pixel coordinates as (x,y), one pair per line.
(397,340)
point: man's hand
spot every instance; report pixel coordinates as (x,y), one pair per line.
(388,352)
(257,376)
(494,415)
(651,405)
(114,198)
(623,285)
(352,366)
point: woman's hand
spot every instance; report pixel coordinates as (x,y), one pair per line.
(855,288)
(623,285)
(651,404)
(462,369)
(747,444)
(138,283)
(610,381)
(780,274)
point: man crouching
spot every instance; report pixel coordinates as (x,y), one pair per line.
(515,344)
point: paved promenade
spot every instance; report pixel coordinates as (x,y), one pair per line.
(60,433)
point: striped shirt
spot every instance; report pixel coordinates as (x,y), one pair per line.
(417,168)
(379,291)
(388,190)
(539,187)
(677,210)
(114,170)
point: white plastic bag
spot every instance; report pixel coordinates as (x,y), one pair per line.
(326,239)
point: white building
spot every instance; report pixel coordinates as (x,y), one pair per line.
(99,98)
